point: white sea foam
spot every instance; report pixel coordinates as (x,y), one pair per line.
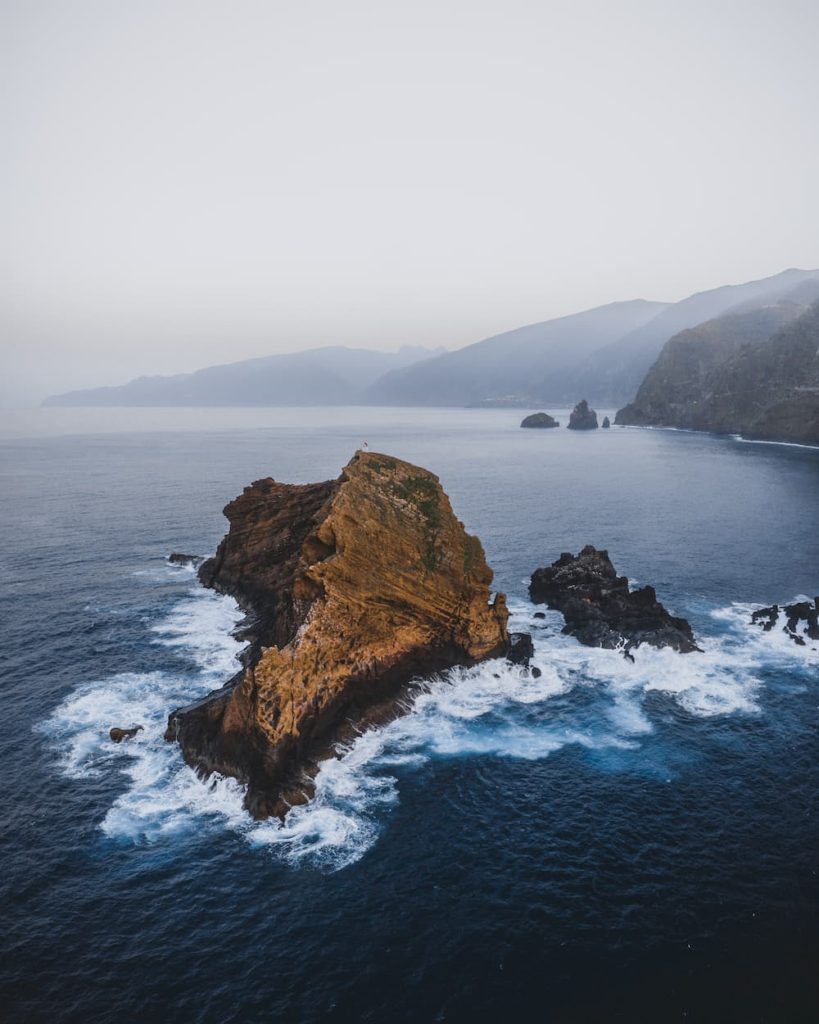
(493,709)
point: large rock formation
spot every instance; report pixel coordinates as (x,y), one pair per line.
(353,587)
(582,417)
(540,420)
(599,608)
(754,373)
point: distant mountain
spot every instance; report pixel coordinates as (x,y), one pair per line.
(321,376)
(513,365)
(754,373)
(618,369)
(602,354)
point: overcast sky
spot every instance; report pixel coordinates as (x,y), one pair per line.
(186,183)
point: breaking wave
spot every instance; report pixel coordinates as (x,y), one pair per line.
(588,697)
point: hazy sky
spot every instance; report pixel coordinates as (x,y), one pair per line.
(193,182)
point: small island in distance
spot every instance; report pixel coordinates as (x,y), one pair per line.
(540,421)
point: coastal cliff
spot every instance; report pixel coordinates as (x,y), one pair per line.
(754,373)
(352,587)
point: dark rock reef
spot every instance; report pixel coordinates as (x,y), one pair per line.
(352,588)
(521,648)
(177,558)
(539,419)
(794,614)
(754,373)
(582,417)
(600,610)
(118,735)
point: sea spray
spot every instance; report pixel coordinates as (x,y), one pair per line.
(494,709)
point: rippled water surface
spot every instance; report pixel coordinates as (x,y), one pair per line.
(609,841)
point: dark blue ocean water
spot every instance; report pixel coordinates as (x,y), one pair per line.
(608,842)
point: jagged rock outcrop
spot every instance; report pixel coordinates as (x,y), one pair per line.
(600,610)
(353,587)
(539,420)
(178,558)
(606,423)
(794,614)
(754,373)
(582,417)
(521,648)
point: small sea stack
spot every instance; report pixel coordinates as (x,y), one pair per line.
(540,421)
(606,423)
(353,588)
(582,417)
(600,609)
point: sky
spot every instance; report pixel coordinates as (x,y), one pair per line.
(188,182)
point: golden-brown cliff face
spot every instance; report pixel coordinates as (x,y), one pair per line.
(357,586)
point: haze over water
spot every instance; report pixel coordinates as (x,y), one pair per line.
(642,835)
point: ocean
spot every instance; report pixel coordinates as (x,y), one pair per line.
(609,841)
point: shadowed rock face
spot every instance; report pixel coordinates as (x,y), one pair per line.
(754,373)
(540,420)
(353,587)
(600,610)
(582,417)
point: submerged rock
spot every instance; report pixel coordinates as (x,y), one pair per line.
(599,608)
(118,735)
(539,419)
(353,588)
(794,614)
(177,558)
(582,417)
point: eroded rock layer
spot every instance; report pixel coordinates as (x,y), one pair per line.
(353,587)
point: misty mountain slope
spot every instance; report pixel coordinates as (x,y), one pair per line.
(612,375)
(754,373)
(510,363)
(601,354)
(324,376)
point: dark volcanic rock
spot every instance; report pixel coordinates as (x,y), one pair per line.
(540,419)
(177,558)
(353,588)
(606,423)
(582,417)
(794,614)
(600,610)
(521,648)
(118,735)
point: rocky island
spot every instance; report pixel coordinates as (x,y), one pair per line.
(582,417)
(352,588)
(540,420)
(600,609)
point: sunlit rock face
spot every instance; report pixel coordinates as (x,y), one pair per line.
(353,587)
